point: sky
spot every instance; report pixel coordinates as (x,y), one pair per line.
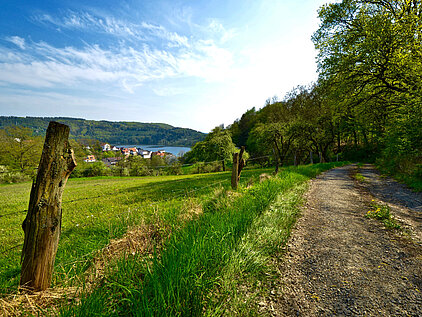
(193,64)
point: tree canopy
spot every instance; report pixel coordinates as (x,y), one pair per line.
(217,146)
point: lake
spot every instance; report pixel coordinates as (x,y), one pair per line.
(175,150)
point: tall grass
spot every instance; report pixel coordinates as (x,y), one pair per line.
(183,278)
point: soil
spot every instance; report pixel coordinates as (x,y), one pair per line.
(340,263)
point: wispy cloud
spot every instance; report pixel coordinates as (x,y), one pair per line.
(224,35)
(18,41)
(87,22)
(39,64)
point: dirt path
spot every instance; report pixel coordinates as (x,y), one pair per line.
(339,263)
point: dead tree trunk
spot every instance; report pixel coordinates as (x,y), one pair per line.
(42,225)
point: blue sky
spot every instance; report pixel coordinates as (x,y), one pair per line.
(194,64)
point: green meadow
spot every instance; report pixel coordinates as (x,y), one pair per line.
(96,210)
(202,263)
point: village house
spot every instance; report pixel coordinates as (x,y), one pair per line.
(144,153)
(106,147)
(90,159)
(160,153)
(125,151)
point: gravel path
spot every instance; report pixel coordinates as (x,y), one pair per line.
(339,263)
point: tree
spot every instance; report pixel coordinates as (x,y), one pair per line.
(276,136)
(20,149)
(240,129)
(370,55)
(217,146)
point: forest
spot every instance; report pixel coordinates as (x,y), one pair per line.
(112,132)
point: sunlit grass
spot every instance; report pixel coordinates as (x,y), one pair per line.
(183,278)
(96,210)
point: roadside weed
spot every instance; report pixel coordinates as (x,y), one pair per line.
(382,213)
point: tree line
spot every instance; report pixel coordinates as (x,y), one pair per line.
(112,132)
(366,104)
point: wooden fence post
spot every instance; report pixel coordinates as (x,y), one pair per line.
(238,165)
(42,225)
(235,169)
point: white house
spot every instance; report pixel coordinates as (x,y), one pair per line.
(106,147)
(144,153)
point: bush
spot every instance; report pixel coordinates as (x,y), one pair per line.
(207,167)
(10,177)
(96,169)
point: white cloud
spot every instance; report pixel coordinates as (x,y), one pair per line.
(220,31)
(18,41)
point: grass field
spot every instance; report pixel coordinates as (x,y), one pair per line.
(96,210)
(213,264)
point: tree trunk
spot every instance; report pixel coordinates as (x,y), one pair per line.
(42,225)
(311,157)
(224,165)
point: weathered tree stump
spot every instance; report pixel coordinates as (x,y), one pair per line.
(42,225)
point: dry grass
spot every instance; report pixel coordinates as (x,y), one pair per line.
(263,177)
(37,303)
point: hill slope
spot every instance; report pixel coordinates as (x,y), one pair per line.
(112,132)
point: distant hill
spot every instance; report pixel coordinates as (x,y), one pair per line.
(112,132)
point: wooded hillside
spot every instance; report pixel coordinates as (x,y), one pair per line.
(112,132)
